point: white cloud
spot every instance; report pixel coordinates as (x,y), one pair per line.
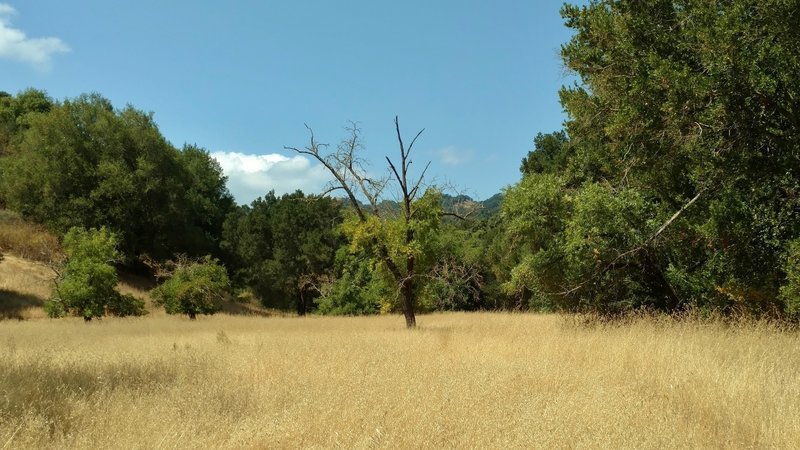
(252,176)
(451,156)
(14,44)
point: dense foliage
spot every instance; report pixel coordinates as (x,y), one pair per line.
(681,176)
(283,248)
(194,287)
(82,163)
(357,288)
(86,286)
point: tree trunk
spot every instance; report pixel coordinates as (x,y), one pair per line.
(674,300)
(407,286)
(407,291)
(301,304)
(192,315)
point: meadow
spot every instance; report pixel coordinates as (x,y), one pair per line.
(480,380)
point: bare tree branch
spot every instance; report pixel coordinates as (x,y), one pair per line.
(313,151)
(394,169)
(413,193)
(410,146)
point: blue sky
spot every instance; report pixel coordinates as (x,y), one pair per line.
(240,78)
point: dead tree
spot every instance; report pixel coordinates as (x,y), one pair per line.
(350,176)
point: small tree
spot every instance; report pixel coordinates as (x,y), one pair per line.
(86,285)
(195,287)
(397,242)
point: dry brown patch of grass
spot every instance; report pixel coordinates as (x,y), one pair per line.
(25,279)
(27,240)
(459,381)
(24,285)
(139,286)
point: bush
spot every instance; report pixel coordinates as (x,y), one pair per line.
(86,286)
(195,287)
(790,291)
(126,305)
(357,291)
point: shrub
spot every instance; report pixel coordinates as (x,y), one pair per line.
(195,287)
(86,286)
(126,305)
(790,291)
(358,290)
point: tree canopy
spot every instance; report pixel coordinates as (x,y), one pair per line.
(283,248)
(83,163)
(681,183)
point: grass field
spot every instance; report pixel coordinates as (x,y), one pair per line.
(24,286)
(459,381)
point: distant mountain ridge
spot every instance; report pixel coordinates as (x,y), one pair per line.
(464,204)
(460,204)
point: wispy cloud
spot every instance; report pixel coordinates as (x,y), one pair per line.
(15,45)
(451,156)
(252,176)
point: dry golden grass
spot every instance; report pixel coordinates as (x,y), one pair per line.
(459,381)
(24,285)
(27,240)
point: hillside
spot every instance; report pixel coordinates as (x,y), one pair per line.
(459,203)
(24,285)
(29,253)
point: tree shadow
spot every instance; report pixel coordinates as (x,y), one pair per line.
(140,282)
(13,304)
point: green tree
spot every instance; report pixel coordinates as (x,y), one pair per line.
(357,288)
(83,163)
(681,180)
(14,115)
(282,248)
(306,236)
(549,155)
(86,285)
(204,204)
(456,278)
(14,120)
(194,287)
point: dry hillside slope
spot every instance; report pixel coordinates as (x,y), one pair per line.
(24,285)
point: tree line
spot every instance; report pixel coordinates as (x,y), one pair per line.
(674,185)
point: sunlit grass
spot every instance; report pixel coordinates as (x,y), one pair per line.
(24,286)
(26,239)
(459,381)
